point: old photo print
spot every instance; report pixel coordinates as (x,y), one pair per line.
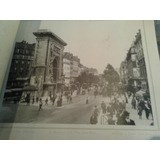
(79,72)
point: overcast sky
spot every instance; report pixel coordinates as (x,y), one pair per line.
(96,43)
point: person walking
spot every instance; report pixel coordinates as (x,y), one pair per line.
(70,99)
(54,99)
(133,103)
(87,101)
(110,120)
(128,120)
(37,99)
(141,107)
(46,101)
(33,100)
(103,106)
(40,104)
(147,110)
(94,116)
(150,107)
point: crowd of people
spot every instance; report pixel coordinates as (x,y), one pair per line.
(116,113)
(55,100)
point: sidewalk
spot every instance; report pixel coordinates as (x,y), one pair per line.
(102,119)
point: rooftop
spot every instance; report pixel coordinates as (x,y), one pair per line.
(47,33)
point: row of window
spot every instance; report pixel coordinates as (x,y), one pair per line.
(15,84)
(23,51)
(22,57)
(16,62)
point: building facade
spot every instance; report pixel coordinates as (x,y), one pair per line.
(67,57)
(75,62)
(141,60)
(123,72)
(47,70)
(19,75)
(133,71)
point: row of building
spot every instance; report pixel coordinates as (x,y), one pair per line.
(133,68)
(42,68)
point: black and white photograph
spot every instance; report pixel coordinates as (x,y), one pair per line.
(81,72)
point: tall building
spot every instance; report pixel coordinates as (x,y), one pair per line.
(133,72)
(47,70)
(123,72)
(19,75)
(75,62)
(141,59)
(67,57)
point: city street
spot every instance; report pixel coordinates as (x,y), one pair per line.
(77,112)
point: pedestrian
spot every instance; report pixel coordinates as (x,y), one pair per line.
(141,107)
(147,110)
(40,104)
(150,107)
(60,101)
(87,101)
(103,106)
(121,118)
(126,99)
(127,119)
(124,119)
(93,119)
(46,101)
(110,120)
(37,99)
(110,109)
(53,100)
(96,111)
(94,116)
(133,103)
(70,99)
(33,100)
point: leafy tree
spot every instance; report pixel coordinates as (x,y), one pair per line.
(87,78)
(110,74)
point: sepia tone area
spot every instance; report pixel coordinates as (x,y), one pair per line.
(47,84)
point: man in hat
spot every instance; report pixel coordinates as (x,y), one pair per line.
(124,119)
(127,119)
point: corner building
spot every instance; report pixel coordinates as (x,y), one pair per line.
(47,70)
(19,75)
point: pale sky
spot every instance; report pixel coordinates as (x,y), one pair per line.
(96,43)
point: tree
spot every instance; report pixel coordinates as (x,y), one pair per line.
(87,78)
(110,74)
